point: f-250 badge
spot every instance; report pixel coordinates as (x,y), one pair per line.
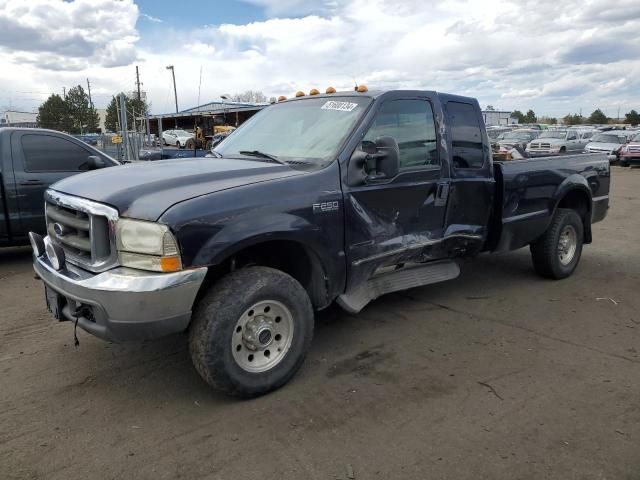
(325,207)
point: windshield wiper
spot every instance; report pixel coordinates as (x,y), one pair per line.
(216,154)
(258,153)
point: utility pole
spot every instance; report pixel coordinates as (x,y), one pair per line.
(138,83)
(175,91)
(123,123)
(89,89)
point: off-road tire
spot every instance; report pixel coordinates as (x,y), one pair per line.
(214,322)
(544,251)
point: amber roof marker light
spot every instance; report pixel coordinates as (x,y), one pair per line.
(281,98)
(299,93)
(361,88)
(314,91)
(331,90)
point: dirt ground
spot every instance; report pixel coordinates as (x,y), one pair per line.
(498,374)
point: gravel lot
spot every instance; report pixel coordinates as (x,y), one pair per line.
(498,374)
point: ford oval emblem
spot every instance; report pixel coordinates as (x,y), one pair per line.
(59,229)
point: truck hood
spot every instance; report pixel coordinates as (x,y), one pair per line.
(145,190)
(551,141)
(603,146)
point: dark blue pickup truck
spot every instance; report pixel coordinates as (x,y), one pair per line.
(329,198)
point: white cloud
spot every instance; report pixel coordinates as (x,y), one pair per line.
(551,56)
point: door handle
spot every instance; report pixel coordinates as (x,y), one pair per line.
(33,181)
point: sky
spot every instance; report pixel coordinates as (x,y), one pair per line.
(555,57)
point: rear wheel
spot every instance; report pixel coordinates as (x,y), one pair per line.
(251,331)
(209,145)
(190,145)
(556,254)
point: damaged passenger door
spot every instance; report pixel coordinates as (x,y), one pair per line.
(390,221)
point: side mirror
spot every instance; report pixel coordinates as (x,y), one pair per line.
(94,162)
(373,161)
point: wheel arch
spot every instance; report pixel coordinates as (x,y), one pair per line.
(283,252)
(574,193)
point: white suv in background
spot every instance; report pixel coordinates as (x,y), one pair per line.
(559,141)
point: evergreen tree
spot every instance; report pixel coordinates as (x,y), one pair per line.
(84,118)
(574,119)
(518,115)
(530,117)
(598,117)
(54,114)
(632,117)
(135,109)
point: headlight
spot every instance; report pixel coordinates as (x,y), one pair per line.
(147,246)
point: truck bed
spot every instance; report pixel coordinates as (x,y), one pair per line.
(528,191)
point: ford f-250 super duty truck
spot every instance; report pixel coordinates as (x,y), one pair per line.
(338,197)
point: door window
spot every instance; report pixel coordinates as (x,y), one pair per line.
(46,153)
(572,136)
(411,124)
(466,136)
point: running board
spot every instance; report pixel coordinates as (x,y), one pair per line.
(409,277)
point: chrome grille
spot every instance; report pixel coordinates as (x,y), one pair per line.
(84,229)
(634,148)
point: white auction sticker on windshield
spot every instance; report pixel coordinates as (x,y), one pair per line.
(340,106)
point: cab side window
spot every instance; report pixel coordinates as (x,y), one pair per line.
(412,125)
(466,136)
(46,153)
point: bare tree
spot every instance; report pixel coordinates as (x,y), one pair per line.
(250,96)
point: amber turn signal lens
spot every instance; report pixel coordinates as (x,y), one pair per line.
(170,264)
(331,90)
(299,93)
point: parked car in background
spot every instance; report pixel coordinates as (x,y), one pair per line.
(152,154)
(31,159)
(179,138)
(519,138)
(607,142)
(89,139)
(629,154)
(559,141)
(494,132)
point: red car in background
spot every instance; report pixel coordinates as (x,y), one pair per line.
(629,154)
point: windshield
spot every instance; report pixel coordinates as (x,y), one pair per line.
(608,138)
(310,130)
(517,135)
(495,134)
(553,134)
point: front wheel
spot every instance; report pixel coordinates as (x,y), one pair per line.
(178,144)
(251,331)
(556,254)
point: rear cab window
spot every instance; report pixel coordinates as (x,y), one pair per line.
(466,135)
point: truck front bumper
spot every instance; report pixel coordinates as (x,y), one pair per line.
(121,304)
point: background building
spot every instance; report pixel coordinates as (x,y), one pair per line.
(13,118)
(498,117)
(207,116)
